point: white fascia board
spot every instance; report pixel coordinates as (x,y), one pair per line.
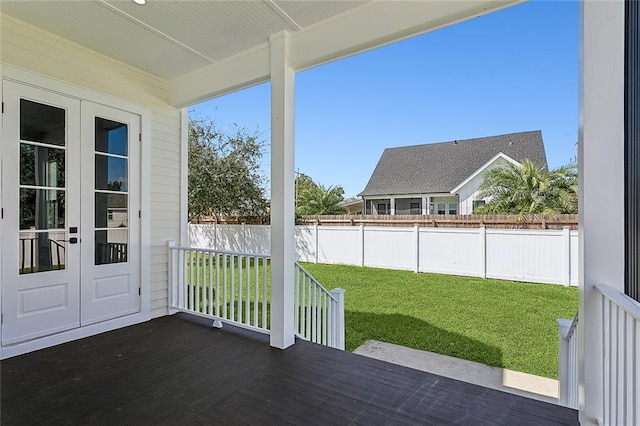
(238,72)
(404,196)
(379,23)
(483,168)
(363,28)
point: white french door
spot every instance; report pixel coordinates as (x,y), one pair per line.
(70,229)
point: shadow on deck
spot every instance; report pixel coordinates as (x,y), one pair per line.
(179,370)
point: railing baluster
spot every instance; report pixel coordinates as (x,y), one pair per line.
(224,303)
(240,288)
(210,270)
(256,290)
(264,292)
(217,285)
(232,302)
(247,299)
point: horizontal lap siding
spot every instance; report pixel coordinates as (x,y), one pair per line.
(30,48)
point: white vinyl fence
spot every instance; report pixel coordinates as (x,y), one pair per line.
(544,256)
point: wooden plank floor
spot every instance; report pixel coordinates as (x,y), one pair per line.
(178,370)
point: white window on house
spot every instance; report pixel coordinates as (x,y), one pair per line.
(453,208)
(477,204)
(415,208)
(442,208)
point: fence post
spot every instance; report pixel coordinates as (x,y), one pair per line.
(315,233)
(563,363)
(171,284)
(416,233)
(362,244)
(483,251)
(338,319)
(566,256)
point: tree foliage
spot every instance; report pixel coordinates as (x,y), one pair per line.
(316,199)
(526,190)
(224,172)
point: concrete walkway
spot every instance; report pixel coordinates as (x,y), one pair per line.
(536,387)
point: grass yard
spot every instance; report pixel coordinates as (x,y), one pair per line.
(499,323)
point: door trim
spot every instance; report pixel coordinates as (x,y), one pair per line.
(18,75)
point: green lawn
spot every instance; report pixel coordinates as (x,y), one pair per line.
(499,323)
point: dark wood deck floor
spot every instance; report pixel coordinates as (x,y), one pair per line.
(178,370)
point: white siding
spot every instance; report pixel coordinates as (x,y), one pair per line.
(38,51)
(468,193)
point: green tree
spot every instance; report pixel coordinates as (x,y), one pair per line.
(315,199)
(224,172)
(526,190)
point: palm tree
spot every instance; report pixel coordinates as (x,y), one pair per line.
(318,200)
(526,190)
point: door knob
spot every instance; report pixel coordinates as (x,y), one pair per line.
(72,240)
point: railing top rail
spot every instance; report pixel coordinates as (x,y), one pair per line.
(315,282)
(569,327)
(619,298)
(206,250)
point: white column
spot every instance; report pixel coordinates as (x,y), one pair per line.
(429,206)
(282,193)
(425,206)
(392,206)
(601,165)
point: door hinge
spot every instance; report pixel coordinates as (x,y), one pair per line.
(139,214)
(3,107)
(2,213)
(139,137)
(1,319)
(139,291)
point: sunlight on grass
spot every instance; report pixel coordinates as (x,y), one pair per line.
(494,322)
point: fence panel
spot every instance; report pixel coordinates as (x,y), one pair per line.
(391,248)
(450,251)
(535,256)
(545,256)
(339,245)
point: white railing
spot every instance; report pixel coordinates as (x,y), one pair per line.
(621,357)
(234,288)
(568,363)
(318,313)
(224,286)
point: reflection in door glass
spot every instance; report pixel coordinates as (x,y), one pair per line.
(41,251)
(41,209)
(42,123)
(111,175)
(41,166)
(111,246)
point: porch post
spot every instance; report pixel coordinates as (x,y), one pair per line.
(282,192)
(392,206)
(425,206)
(602,183)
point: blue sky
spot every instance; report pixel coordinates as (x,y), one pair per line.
(509,71)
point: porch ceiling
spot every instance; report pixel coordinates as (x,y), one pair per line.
(207,48)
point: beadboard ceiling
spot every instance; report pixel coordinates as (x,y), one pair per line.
(172,38)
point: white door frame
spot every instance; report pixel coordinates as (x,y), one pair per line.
(22,76)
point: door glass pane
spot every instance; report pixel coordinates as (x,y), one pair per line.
(111,137)
(111,173)
(111,246)
(41,209)
(111,210)
(42,123)
(41,166)
(41,251)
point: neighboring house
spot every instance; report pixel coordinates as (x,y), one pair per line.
(82,80)
(353,205)
(443,178)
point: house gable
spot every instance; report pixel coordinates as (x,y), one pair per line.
(441,167)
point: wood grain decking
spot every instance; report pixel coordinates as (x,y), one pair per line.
(178,370)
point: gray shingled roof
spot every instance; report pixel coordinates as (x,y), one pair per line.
(440,167)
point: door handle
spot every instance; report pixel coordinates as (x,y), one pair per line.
(72,240)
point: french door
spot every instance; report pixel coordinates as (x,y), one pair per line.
(70,230)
